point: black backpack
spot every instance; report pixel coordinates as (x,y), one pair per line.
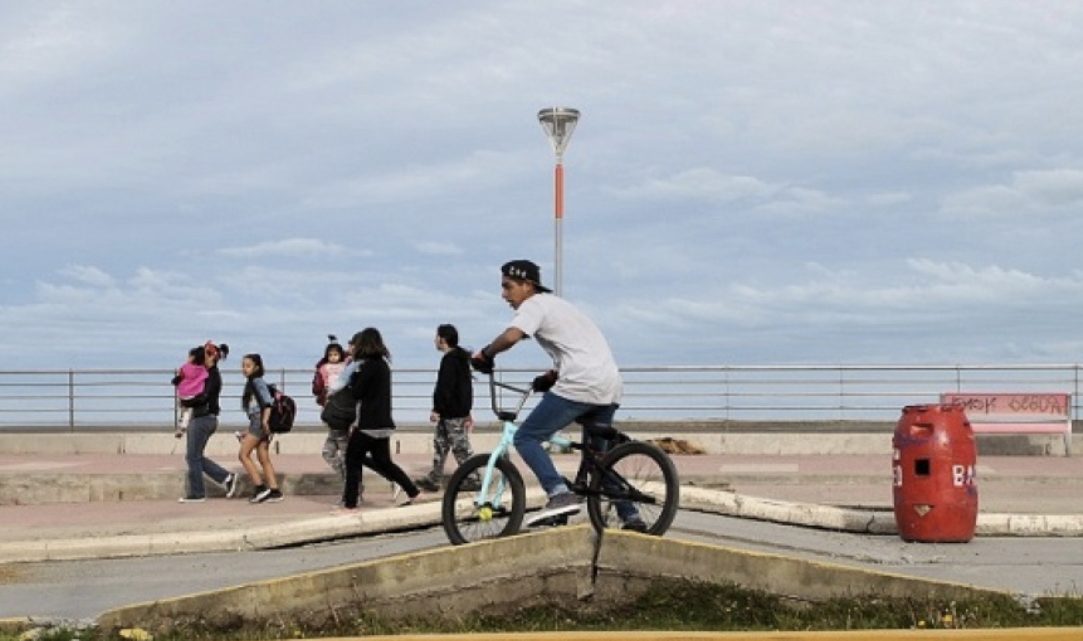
(283,411)
(340,410)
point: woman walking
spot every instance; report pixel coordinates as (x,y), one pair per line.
(203,425)
(371,385)
(256,402)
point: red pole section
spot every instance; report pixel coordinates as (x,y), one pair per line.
(559,191)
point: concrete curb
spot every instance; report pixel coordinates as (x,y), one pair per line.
(424,515)
(866,521)
(311,529)
(260,537)
(245,538)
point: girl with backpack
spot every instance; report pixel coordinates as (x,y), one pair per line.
(256,402)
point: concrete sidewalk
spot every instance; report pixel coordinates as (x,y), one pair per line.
(109,504)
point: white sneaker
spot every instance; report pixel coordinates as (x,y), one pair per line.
(231,485)
(561,504)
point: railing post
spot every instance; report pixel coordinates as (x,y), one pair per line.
(842,393)
(726,387)
(71,400)
(1075,396)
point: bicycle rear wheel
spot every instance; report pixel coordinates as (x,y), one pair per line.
(470,513)
(634,487)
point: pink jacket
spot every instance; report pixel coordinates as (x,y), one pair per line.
(192,378)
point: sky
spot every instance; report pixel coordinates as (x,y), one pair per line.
(758,182)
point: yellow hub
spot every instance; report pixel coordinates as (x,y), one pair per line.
(485,513)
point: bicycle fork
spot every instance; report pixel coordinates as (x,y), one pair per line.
(489,499)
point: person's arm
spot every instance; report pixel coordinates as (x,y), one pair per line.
(441,396)
(319,388)
(343,378)
(505,341)
(264,399)
(482,360)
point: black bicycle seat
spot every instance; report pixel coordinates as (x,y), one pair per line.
(607,432)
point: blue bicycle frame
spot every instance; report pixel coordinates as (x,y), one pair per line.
(507,438)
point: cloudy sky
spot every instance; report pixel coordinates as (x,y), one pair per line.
(750,182)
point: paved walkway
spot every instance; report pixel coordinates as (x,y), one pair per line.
(122,497)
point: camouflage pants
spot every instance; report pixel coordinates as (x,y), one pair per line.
(334,450)
(450,437)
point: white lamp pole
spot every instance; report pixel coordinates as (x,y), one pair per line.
(558,123)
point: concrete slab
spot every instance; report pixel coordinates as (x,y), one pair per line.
(559,565)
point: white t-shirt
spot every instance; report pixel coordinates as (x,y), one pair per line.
(588,373)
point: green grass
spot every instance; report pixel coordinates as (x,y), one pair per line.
(673,605)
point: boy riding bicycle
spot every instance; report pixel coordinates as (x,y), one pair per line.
(585,387)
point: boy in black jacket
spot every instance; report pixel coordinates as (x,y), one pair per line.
(452,400)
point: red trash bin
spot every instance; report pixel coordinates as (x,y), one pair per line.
(936,497)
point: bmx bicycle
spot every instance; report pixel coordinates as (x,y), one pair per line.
(486,496)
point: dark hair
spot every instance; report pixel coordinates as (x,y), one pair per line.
(449,334)
(333,346)
(198,355)
(249,388)
(369,344)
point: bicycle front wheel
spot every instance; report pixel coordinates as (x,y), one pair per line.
(472,512)
(635,487)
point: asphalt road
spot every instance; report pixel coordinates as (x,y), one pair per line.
(79,590)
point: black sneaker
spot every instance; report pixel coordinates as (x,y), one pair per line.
(192,499)
(260,494)
(426,483)
(472,484)
(561,504)
(635,524)
(274,496)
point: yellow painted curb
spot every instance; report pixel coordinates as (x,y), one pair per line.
(1005,634)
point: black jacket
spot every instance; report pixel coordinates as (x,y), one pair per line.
(453,396)
(371,384)
(211,391)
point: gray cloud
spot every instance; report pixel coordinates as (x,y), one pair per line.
(750,181)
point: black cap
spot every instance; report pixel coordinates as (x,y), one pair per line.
(524,270)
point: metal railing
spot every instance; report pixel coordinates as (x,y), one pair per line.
(143,399)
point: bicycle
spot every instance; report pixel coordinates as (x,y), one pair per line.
(486,496)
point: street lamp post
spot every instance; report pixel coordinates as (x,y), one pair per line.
(558,123)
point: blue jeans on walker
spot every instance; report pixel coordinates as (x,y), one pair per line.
(200,431)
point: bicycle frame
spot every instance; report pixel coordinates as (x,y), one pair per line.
(507,438)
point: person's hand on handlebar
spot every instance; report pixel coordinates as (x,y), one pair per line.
(484,361)
(544,382)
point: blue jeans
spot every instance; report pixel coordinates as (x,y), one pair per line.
(552,414)
(200,431)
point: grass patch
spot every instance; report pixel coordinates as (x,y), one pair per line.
(668,605)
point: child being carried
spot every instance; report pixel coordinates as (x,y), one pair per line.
(190,380)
